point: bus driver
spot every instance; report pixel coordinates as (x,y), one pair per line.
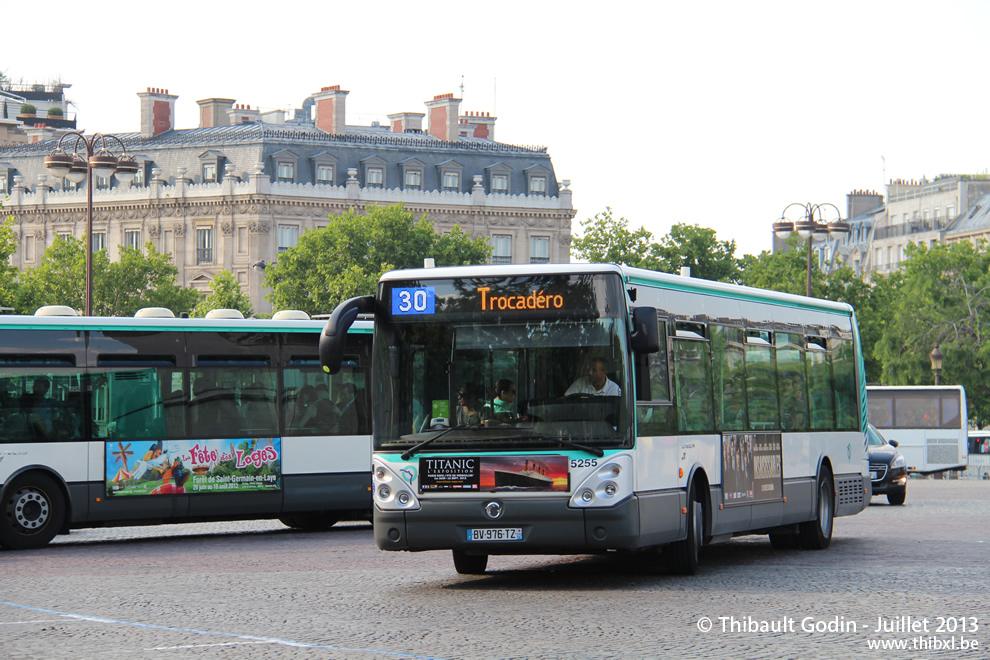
(596,383)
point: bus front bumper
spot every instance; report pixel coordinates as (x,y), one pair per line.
(547,526)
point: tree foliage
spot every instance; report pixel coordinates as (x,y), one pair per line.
(348,257)
(139,279)
(609,240)
(943,298)
(227,294)
(8,274)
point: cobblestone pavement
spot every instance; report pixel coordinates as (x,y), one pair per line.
(260,590)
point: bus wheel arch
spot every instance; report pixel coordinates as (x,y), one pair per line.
(33,510)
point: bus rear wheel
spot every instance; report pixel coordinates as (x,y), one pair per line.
(466,564)
(309,521)
(817,534)
(32,513)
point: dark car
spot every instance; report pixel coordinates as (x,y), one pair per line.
(888,470)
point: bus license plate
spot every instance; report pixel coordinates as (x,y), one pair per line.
(500,534)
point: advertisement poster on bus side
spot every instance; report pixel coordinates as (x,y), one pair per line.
(490,473)
(751,468)
(174,467)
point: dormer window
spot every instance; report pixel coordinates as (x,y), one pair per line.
(414,179)
(375,177)
(324,174)
(211,165)
(538,185)
(286,172)
(451,181)
(209,173)
(500,183)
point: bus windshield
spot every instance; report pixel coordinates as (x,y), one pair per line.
(506,381)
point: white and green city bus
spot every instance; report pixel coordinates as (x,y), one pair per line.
(929,422)
(122,421)
(730,411)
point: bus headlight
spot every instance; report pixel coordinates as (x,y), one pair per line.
(391,493)
(608,485)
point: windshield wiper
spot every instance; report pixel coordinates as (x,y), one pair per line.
(597,451)
(415,448)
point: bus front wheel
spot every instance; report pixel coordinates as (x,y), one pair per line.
(817,534)
(314,522)
(32,513)
(684,556)
(466,564)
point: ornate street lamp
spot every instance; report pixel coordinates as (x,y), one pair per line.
(86,162)
(936,356)
(811,226)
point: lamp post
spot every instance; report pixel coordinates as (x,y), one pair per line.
(85,162)
(809,226)
(936,356)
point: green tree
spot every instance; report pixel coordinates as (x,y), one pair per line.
(697,248)
(8,274)
(944,298)
(119,288)
(785,270)
(348,257)
(227,294)
(607,239)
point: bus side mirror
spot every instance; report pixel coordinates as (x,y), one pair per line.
(334,335)
(645,337)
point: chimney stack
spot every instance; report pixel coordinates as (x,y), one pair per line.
(157,111)
(242,114)
(330,102)
(213,112)
(407,122)
(479,124)
(444,117)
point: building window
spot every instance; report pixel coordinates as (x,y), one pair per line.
(288,236)
(538,185)
(210,172)
(204,245)
(286,172)
(3,184)
(324,174)
(102,182)
(29,248)
(132,238)
(950,211)
(451,181)
(99,241)
(242,240)
(539,250)
(414,179)
(501,249)
(500,183)
(138,179)
(376,177)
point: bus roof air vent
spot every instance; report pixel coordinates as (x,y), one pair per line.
(55,310)
(290,315)
(154,313)
(224,314)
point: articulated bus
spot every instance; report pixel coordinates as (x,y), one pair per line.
(123,421)
(979,455)
(618,409)
(929,422)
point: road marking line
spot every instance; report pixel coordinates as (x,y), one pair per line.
(17,623)
(267,640)
(202,646)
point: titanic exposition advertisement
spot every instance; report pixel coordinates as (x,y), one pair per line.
(490,473)
(193,466)
(751,468)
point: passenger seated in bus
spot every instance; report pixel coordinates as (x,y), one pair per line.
(596,382)
(346,404)
(303,412)
(468,407)
(503,404)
